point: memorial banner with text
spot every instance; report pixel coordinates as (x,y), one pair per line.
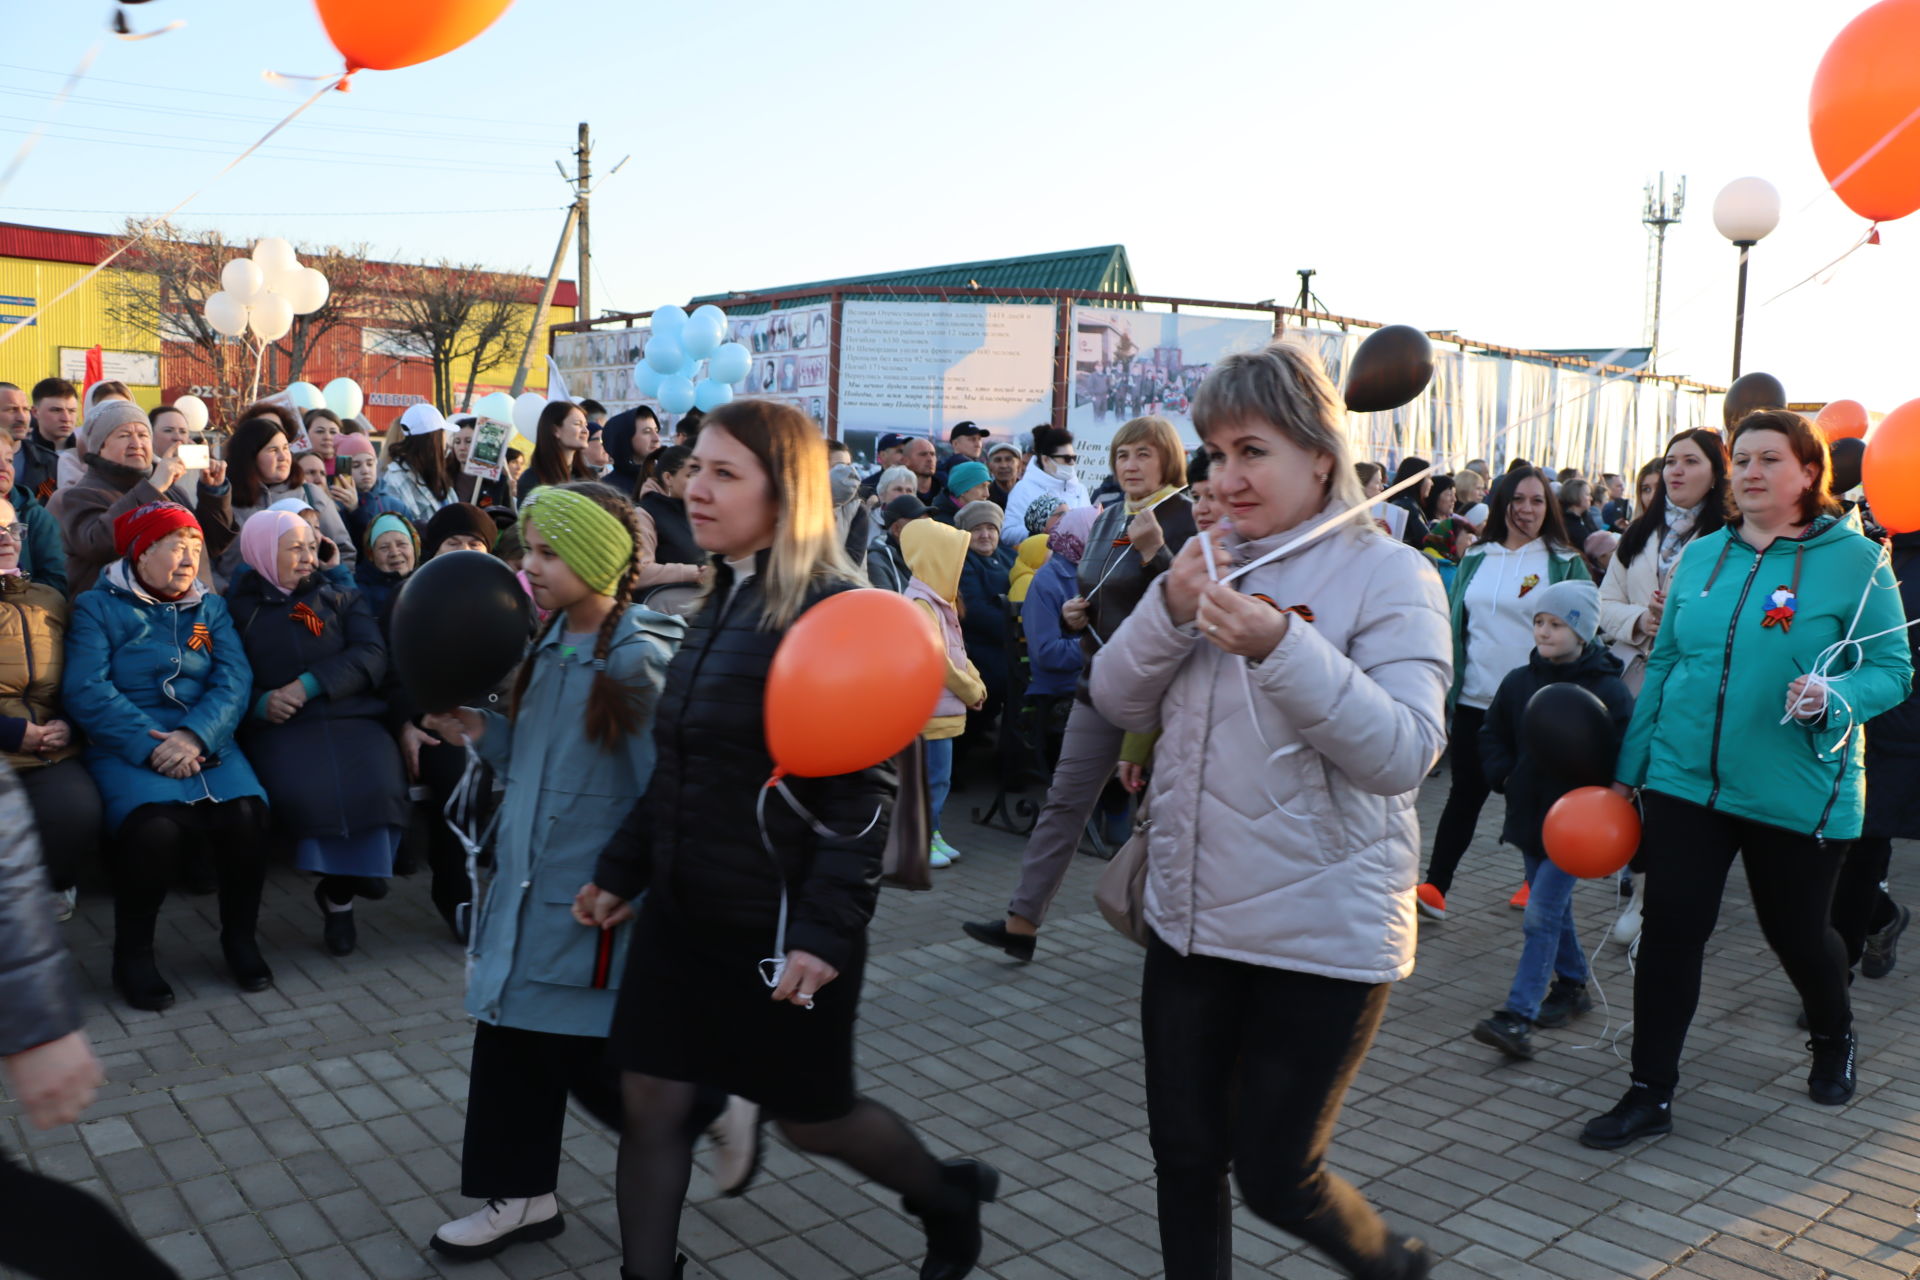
(921,367)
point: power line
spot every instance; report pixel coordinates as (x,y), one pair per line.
(279,213)
(171,89)
(280,148)
(414,165)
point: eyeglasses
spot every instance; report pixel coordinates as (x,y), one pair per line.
(18,532)
(1068,458)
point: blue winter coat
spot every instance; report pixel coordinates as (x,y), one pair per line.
(136,664)
(533,966)
(1054,656)
(43,556)
(983,594)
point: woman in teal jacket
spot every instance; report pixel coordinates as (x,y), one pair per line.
(1740,746)
(157,679)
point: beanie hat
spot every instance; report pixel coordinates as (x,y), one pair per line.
(1575,602)
(1600,542)
(296,504)
(459,519)
(1039,511)
(1069,538)
(387,523)
(596,544)
(975,514)
(137,530)
(108,417)
(967,475)
(350,443)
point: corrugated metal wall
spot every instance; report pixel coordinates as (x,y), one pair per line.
(78,320)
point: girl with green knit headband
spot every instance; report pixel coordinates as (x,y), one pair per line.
(576,747)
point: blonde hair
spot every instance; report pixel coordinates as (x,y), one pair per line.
(1286,387)
(808,550)
(1159,433)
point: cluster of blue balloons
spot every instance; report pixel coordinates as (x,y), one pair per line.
(679,345)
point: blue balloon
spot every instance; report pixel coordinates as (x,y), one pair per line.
(710,395)
(710,310)
(729,363)
(691,370)
(705,330)
(675,394)
(664,354)
(646,380)
(667,322)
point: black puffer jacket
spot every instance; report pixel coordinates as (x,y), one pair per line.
(1531,790)
(39,1000)
(1893,737)
(1113,579)
(693,840)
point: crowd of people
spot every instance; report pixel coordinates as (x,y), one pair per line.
(1239,655)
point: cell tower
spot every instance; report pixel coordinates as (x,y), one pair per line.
(1662,211)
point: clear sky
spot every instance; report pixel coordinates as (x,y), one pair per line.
(1474,166)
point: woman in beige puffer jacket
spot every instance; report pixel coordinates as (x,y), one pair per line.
(1302,705)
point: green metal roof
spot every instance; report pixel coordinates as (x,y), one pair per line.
(1103,269)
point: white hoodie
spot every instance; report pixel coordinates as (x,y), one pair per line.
(1499,624)
(1037,482)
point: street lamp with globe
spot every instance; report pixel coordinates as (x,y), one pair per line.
(1745,211)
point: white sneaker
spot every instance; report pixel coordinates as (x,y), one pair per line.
(736,1146)
(63,904)
(937,859)
(1626,930)
(497,1224)
(940,845)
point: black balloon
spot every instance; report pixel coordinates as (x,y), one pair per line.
(1391,368)
(1751,392)
(460,625)
(1569,735)
(1846,463)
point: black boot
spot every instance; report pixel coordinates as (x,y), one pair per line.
(1644,1113)
(996,934)
(953,1231)
(337,929)
(1831,1080)
(240,884)
(134,972)
(679,1270)
(245,963)
(1565,1001)
(1508,1032)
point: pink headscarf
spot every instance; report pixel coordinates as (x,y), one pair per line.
(260,543)
(1069,538)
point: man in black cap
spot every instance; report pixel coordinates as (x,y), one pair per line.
(886,562)
(886,453)
(969,441)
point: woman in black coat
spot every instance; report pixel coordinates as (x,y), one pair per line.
(316,730)
(665,501)
(749,888)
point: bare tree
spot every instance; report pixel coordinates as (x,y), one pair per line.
(354,286)
(456,314)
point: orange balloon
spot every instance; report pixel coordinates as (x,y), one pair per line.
(822,715)
(379,35)
(1591,832)
(1843,420)
(1864,93)
(1891,470)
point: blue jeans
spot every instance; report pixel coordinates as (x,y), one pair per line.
(939,774)
(1552,948)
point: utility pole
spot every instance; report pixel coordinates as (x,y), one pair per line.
(546,298)
(1662,210)
(1306,275)
(583,157)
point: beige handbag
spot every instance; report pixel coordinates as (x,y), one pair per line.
(1121,893)
(906,863)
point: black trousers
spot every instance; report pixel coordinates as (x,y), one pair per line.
(1465,799)
(57,1232)
(1860,905)
(517,1090)
(147,851)
(67,811)
(1688,851)
(441,767)
(1246,1070)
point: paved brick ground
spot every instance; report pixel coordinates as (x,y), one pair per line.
(313,1130)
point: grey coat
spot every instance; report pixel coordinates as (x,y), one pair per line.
(39,1000)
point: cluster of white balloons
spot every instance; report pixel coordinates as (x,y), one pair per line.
(678,345)
(342,395)
(265,292)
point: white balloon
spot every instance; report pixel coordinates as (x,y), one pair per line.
(344,397)
(307,290)
(242,279)
(495,406)
(304,396)
(283,279)
(270,317)
(274,252)
(194,410)
(227,314)
(526,412)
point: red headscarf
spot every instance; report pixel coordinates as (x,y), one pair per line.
(137,530)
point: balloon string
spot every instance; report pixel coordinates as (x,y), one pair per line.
(151,224)
(1871,236)
(33,139)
